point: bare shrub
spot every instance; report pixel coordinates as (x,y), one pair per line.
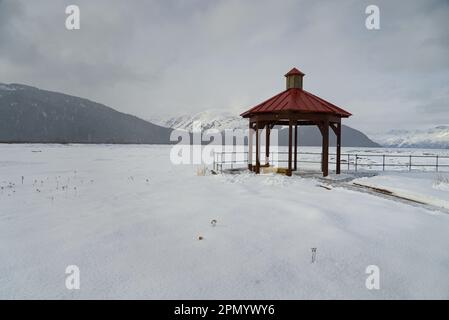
(441,180)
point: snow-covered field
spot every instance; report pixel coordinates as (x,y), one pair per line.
(130,220)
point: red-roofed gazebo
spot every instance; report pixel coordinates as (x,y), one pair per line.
(295,107)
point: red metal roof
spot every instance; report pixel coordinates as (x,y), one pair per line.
(294,71)
(296,100)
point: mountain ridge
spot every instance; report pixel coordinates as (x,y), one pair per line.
(30,114)
(432,138)
(307,135)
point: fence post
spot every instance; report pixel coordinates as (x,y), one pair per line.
(437,164)
(348,162)
(383,162)
(410,163)
(213,164)
(232,160)
(356,162)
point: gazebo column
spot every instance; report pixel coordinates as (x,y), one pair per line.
(336,127)
(250,147)
(296,148)
(289,170)
(267,144)
(325,151)
(338,147)
(257,149)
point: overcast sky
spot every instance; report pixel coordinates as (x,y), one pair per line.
(163,58)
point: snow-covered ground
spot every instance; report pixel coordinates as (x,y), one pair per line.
(130,220)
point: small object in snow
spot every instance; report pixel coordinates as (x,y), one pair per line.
(201,171)
(213,222)
(213,172)
(325,187)
(313,255)
(200,238)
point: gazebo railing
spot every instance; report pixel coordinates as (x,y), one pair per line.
(348,161)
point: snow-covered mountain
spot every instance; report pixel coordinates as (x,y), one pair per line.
(217,119)
(209,119)
(437,137)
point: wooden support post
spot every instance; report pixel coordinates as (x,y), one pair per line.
(325,152)
(250,147)
(338,165)
(267,145)
(257,148)
(289,170)
(295,163)
(336,127)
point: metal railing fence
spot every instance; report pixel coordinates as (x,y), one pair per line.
(348,161)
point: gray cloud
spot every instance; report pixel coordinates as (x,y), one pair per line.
(153,58)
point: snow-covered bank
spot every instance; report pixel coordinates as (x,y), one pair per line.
(431,188)
(131,220)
